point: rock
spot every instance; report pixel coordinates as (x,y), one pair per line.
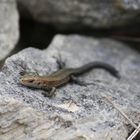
(19,121)
(76,112)
(8,27)
(66,14)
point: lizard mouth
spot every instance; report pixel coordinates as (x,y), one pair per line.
(25,81)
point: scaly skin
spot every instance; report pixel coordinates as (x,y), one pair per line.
(63,76)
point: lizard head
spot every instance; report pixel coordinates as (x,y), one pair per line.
(30,81)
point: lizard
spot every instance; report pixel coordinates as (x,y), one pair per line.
(63,76)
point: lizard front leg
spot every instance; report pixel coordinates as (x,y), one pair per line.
(50,92)
(60,63)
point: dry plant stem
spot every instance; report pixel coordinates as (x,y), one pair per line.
(70,103)
(134,134)
(123,114)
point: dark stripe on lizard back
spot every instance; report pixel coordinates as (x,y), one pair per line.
(100,65)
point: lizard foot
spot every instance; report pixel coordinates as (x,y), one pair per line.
(79,82)
(50,93)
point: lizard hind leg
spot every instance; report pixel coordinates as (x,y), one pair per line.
(79,82)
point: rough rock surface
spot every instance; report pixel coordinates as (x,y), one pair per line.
(88,116)
(20,122)
(92,13)
(8,27)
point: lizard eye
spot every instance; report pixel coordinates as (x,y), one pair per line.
(30,81)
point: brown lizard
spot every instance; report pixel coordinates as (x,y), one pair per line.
(62,76)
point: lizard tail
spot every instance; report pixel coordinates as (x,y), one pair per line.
(93,65)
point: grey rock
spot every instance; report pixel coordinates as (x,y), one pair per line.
(89,115)
(8,27)
(76,13)
(19,121)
